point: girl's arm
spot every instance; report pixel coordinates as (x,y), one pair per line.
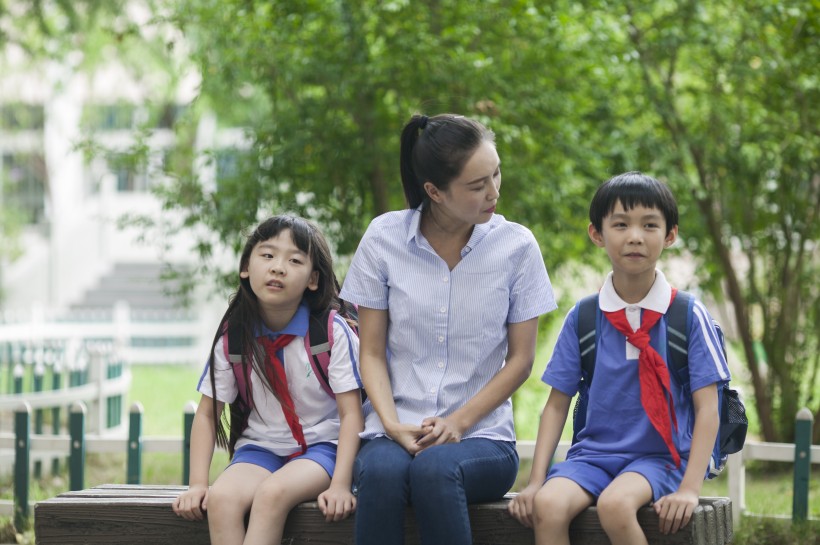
(338,501)
(520,356)
(191,504)
(373,363)
(553,418)
(676,509)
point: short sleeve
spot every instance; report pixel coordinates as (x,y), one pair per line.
(226,387)
(343,370)
(531,293)
(707,362)
(366,281)
(563,370)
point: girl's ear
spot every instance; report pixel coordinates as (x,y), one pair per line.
(671,237)
(432,191)
(313,282)
(595,236)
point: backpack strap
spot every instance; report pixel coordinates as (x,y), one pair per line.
(318,344)
(678,322)
(232,348)
(586,327)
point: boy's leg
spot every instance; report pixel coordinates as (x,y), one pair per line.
(380,475)
(618,508)
(558,502)
(230,498)
(297,481)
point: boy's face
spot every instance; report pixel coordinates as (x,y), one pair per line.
(634,239)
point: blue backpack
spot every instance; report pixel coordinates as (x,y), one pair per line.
(733,423)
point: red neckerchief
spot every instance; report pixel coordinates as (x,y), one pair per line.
(656,394)
(275,371)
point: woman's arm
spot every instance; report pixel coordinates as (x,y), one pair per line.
(338,501)
(520,356)
(373,363)
(191,504)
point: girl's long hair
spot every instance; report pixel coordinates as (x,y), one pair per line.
(243,312)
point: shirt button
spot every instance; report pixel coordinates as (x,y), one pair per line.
(440,364)
(432,390)
(441,339)
(443,309)
(445,279)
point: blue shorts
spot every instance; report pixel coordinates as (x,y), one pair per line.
(323,454)
(594,472)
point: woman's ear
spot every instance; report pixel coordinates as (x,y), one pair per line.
(432,191)
(595,236)
(244,274)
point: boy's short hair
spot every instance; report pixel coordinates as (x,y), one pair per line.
(633,189)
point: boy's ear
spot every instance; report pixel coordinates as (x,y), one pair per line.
(671,237)
(595,236)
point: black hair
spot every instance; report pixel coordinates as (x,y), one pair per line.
(633,189)
(243,309)
(435,150)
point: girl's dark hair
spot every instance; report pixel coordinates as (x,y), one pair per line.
(243,311)
(633,189)
(435,150)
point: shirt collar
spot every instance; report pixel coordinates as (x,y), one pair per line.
(480,230)
(298,325)
(657,299)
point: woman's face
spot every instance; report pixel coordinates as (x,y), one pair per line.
(471,197)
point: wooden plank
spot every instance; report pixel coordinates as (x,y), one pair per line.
(132,514)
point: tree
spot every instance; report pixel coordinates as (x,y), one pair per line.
(714,97)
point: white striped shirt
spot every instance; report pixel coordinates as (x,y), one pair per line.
(447,332)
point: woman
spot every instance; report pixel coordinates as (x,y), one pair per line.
(449,295)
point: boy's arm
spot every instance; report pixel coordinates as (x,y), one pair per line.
(676,509)
(553,418)
(191,503)
(337,502)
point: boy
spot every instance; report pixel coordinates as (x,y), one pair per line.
(646,438)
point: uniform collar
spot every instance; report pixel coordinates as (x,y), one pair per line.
(298,325)
(657,299)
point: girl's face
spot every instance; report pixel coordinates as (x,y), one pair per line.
(279,273)
(471,197)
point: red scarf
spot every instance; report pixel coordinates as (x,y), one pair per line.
(275,371)
(656,394)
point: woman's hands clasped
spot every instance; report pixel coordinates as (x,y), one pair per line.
(434,430)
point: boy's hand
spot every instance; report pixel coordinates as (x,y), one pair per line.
(675,510)
(521,506)
(192,504)
(336,503)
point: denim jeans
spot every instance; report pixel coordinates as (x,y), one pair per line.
(438,483)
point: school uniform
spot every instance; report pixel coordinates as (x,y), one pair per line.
(318,413)
(446,339)
(618,435)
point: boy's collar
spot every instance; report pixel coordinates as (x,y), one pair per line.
(298,325)
(657,299)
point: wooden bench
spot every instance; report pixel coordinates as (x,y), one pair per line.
(140,514)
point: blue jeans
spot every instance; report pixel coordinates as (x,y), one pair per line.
(439,483)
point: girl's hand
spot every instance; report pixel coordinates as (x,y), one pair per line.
(336,503)
(438,431)
(675,510)
(407,435)
(192,504)
(521,506)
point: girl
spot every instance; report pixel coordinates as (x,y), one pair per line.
(284,427)
(449,295)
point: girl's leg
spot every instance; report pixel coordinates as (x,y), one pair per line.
(558,502)
(618,508)
(229,499)
(297,481)
(445,478)
(381,475)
